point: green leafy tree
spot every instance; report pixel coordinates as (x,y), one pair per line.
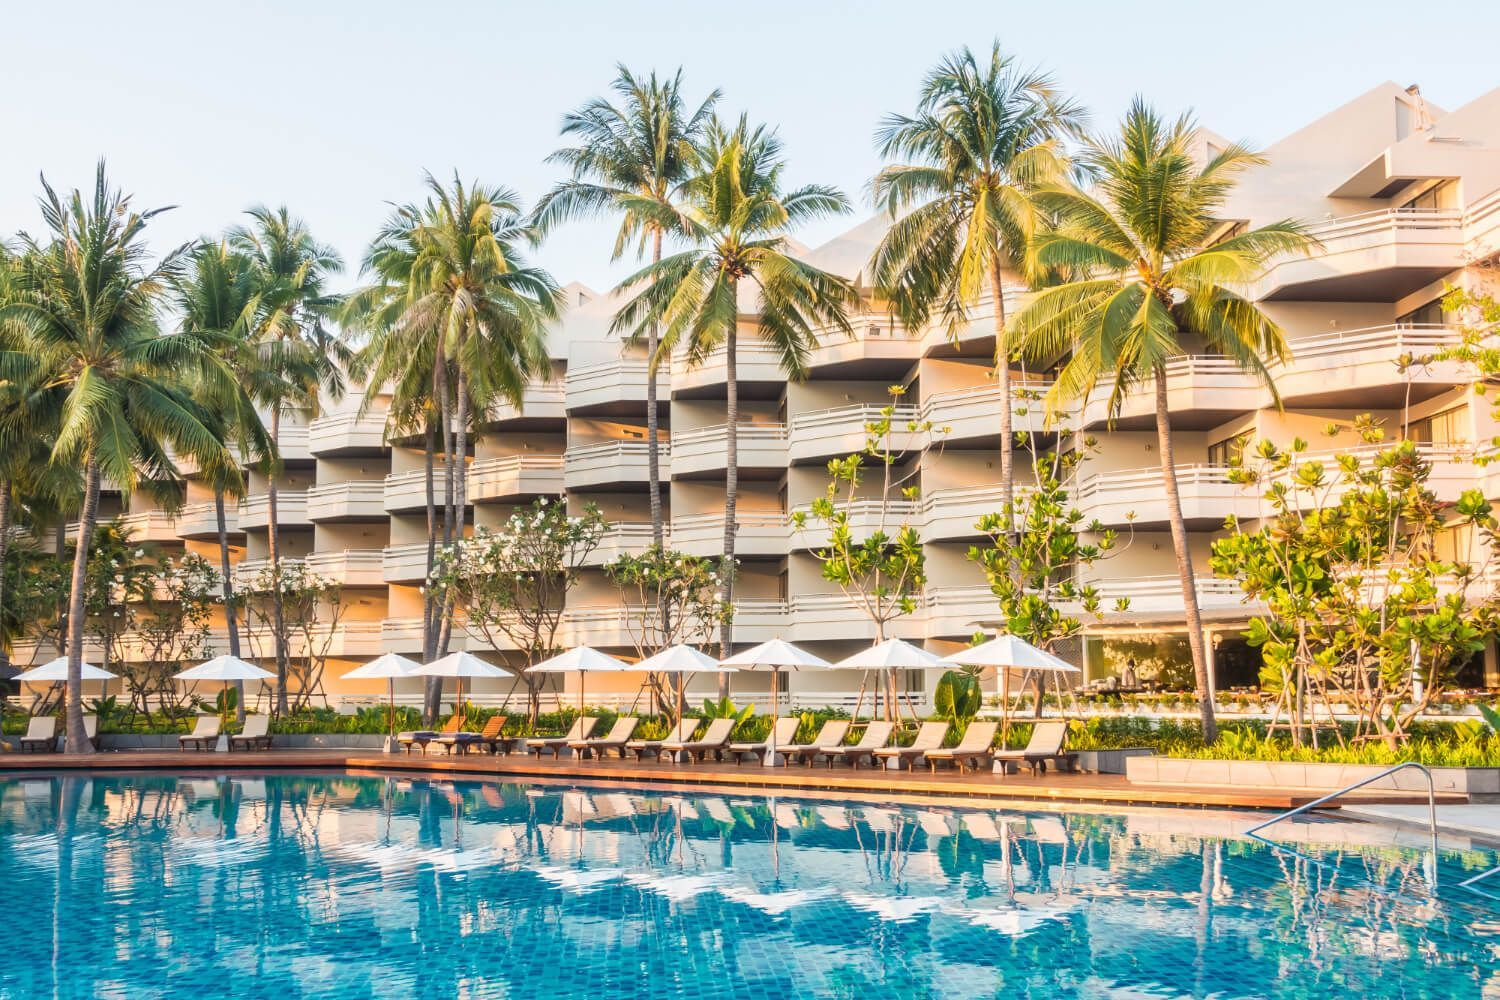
(170,627)
(740,218)
(513,583)
(883,573)
(633,159)
(985,135)
(88,309)
(1154,277)
(1363,605)
(301,356)
(297,610)
(1037,551)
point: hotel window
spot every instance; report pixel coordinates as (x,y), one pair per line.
(1446,427)
(1440,196)
(1453,543)
(1427,314)
(1231,450)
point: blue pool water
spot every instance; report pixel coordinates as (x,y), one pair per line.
(319,886)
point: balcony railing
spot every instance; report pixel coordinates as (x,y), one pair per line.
(608,463)
(516,477)
(353,500)
(350,567)
(705,449)
(291,509)
(347,432)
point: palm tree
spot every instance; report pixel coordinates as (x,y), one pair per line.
(739,219)
(456,296)
(1153,275)
(301,355)
(982,139)
(632,160)
(217,297)
(88,311)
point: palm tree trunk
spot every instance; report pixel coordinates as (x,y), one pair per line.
(653,447)
(4,550)
(1002,375)
(445,416)
(731,487)
(226,584)
(1191,617)
(432,688)
(77,743)
(273,546)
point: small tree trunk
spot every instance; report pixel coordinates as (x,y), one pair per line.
(273,545)
(1184,558)
(731,489)
(77,742)
(226,586)
(653,446)
(1002,376)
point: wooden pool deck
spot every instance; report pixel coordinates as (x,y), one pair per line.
(749,778)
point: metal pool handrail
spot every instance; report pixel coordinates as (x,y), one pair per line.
(1432,877)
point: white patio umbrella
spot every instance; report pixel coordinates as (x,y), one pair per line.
(458,666)
(1007,653)
(892,654)
(682,659)
(581,659)
(777,655)
(56,672)
(388,668)
(226,669)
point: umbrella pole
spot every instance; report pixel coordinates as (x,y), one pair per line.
(770,758)
(1004,707)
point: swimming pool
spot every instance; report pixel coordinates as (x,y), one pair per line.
(329,886)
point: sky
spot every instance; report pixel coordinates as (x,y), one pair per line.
(336,109)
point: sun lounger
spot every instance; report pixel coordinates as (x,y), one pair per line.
(973,750)
(785,732)
(493,735)
(713,741)
(876,735)
(929,737)
(619,734)
(1046,744)
(463,742)
(419,738)
(582,727)
(41,735)
(831,734)
(256,735)
(680,732)
(204,735)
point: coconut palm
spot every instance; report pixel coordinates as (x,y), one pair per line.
(301,358)
(740,217)
(632,160)
(984,135)
(456,301)
(88,310)
(216,296)
(1154,281)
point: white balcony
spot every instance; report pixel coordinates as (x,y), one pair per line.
(248,571)
(1453,470)
(1159,599)
(149,526)
(755,361)
(1364,366)
(291,510)
(958,612)
(1376,256)
(819,435)
(540,401)
(703,452)
(834,616)
(612,386)
(404,636)
(952,513)
(346,640)
(621,539)
(878,340)
(348,433)
(757,533)
(865,518)
(293,438)
(350,567)
(972,414)
(1202,390)
(611,464)
(515,478)
(404,563)
(357,500)
(200,520)
(1136,497)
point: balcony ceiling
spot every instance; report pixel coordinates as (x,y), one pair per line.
(1386,285)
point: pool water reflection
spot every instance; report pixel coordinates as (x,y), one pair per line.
(322,886)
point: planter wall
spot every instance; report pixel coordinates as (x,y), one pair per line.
(1311,777)
(1109,761)
(281,741)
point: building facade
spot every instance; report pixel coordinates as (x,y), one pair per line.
(1403,197)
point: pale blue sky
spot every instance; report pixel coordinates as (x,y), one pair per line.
(335,109)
